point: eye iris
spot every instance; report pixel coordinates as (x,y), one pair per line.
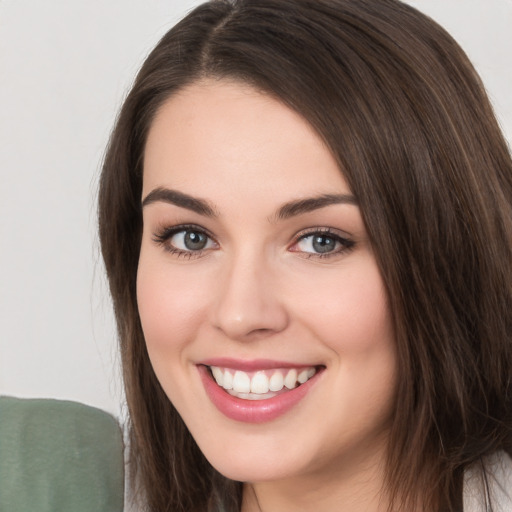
(323,244)
(195,241)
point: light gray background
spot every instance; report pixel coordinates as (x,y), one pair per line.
(65,67)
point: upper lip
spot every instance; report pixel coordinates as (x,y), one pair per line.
(253,364)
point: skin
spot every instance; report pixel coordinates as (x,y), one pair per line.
(260,290)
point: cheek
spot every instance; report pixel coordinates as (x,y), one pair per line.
(171,305)
(349,312)
(350,316)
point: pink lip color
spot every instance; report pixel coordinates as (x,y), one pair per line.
(250,366)
(252,411)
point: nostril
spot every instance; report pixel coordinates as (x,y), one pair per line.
(247,328)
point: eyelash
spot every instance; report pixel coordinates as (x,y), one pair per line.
(163,236)
(345,243)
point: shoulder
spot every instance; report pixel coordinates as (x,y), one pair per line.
(490,479)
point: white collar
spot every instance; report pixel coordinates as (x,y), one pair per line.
(497,478)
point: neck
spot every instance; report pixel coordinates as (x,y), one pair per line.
(355,486)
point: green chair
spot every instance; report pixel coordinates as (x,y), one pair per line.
(59,456)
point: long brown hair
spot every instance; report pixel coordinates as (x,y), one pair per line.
(406,116)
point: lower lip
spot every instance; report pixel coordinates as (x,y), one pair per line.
(253,411)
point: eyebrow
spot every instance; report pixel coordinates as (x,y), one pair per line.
(180,199)
(300,206)
(290,209)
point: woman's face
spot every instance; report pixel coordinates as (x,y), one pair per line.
(255,268)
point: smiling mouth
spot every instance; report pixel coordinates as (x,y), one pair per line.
(261,384)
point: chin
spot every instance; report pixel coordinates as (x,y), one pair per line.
(255,471)
(258,459)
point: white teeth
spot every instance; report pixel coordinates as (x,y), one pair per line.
(291,379)
(251,396)
(241,382)
(228,380)
(259,383)
(303,376)
(218,375)
(276,382)
(263,384)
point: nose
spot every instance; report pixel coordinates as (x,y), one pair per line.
(248,304)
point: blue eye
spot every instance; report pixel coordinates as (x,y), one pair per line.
(184,240)
(322,243)
(188,240)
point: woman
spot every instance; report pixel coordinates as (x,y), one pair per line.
(306,219)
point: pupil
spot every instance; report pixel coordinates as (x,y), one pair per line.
(195,241)
(323,244)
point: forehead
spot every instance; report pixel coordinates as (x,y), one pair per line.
(220,136)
